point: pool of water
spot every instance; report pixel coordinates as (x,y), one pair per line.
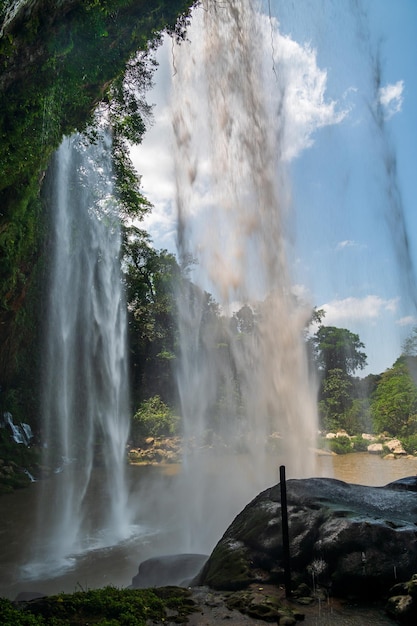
(157,526)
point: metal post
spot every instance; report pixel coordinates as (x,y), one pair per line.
(285,533)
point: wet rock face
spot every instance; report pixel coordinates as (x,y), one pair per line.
(354,540)
(176,569)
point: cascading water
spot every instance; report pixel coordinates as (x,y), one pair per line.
(85,379)
(244,390)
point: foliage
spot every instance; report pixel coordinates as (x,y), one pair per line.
(359,444)
(342,399)
(10,614)
(132,204)
(340,408)
(344,444)
(410,444)
(104,607)
(153,419)
(358,417)
(340,445)
(336,399)
(409,347)
(365,387)
(338,348)
(58,62)
(152,278)
(245,319)
(394,404)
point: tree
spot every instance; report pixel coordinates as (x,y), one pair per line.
(338,348)
(153,418)
(336,399)
(409,352)
(409,347)
(244,319)
(151,281)
(394,404)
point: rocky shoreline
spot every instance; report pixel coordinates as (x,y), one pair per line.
(160,450)
(170,450)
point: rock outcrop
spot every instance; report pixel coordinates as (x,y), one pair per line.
(172,569)
(351,539)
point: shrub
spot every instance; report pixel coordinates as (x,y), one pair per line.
(359,444)
(340,445)
(104,607)
(410,444)
(154,418)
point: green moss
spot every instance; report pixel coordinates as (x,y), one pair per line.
(227,568)
(254,525)
(257,605)
(102,607)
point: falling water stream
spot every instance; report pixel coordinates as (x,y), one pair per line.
(85,377)
(251,388)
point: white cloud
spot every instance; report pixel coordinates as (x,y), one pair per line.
(303,90)
(408,320)
(391,98)
(367,308)
(299,85)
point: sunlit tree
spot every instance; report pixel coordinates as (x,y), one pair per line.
(394,405)
(338,348)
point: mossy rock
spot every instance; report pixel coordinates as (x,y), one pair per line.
(258,606)
(263,521)
(228,567)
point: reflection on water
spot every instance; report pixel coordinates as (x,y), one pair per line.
(156,530)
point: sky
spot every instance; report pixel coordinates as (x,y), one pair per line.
(350,148)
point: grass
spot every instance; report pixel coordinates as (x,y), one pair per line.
(108,606)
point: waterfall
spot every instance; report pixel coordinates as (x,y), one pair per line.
(244,391)
(85,377)
(21,433)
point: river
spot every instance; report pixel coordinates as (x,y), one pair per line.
(155,531)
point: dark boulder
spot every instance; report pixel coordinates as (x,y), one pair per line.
(355,540)
(173,569)
(402,602)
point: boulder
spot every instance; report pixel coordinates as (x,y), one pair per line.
(396,447)
(402,602)
(172,569)
(354,540)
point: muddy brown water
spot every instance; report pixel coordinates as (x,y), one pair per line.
(116,565)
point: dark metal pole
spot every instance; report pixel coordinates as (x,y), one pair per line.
(285,533)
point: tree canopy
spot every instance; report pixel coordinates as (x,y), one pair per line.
(394,405)
(338,348)
(60,61)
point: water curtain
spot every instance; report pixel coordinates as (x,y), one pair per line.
(85,380)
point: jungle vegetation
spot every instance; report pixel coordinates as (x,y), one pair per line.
(61,63)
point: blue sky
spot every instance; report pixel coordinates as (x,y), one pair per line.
(351,96)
